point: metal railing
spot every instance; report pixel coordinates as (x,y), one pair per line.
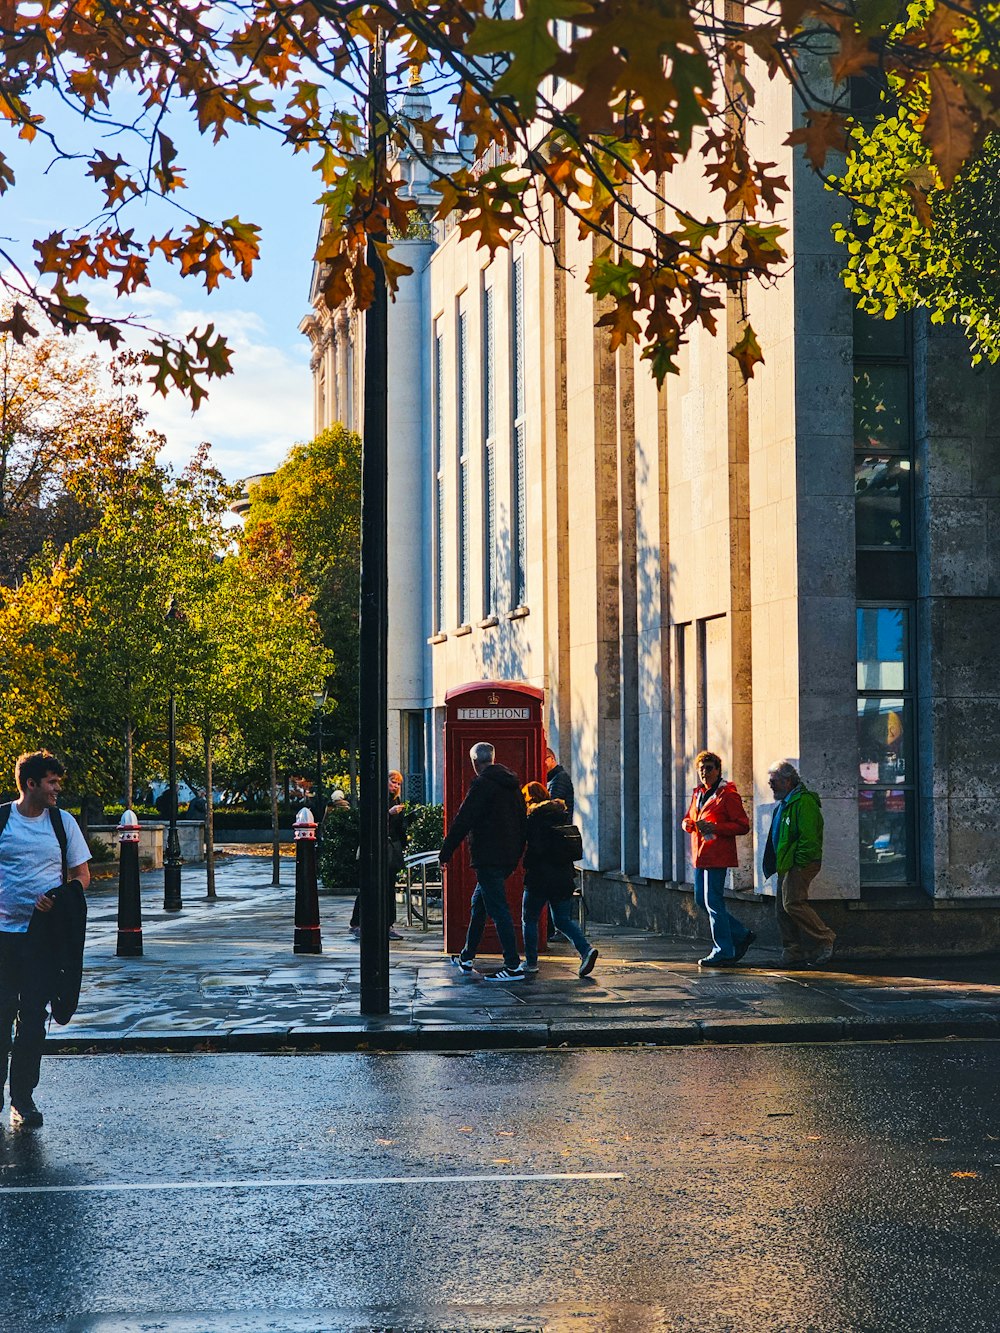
(422,880)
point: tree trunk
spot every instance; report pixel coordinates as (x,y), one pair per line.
(129,756)
(276,842)
(209,816)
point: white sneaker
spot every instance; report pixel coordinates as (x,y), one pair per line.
(825,954)
(507,974)
(530,968)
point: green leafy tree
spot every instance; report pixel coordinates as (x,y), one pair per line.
(153,537)
(310,509)
(911,243)
(272,659)
(38,624)
(60,420)
(206,699)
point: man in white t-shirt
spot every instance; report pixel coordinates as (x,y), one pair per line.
(31,865)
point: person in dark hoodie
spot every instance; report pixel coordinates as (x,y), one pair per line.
(549,878)
(494,819)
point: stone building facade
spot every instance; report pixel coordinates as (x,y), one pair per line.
(804,567)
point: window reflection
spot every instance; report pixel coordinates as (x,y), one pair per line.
(882,638)
(878,337)
(882,739)
(882,500)
(885,821)
(882,408)
(886,718)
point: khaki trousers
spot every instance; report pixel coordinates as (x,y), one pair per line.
(802,929)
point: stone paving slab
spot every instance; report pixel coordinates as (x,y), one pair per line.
(222,975)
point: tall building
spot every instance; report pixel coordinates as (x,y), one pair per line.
(803,567)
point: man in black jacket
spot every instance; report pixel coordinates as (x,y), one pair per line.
(559,783)
(495,818)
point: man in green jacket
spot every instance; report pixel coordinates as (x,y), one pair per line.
(794,850)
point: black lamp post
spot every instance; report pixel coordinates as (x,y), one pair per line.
(172,856)
(374,862)
(319,699)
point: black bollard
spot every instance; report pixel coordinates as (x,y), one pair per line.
(307,933)
(129,903)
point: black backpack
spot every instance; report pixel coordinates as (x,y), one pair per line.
(59,828)
(565,843)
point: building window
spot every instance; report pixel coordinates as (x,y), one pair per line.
(438,481)
(464,599)
(883,434)
(886,579)
(414,768)
(886,719)
(519,505)
(489,454)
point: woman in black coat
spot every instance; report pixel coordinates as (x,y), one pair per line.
(549,878)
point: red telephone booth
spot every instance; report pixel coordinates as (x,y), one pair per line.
(509,716)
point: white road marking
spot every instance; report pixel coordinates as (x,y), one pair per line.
(121,1187)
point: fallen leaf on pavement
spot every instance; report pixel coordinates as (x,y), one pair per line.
(385,1143)
(965,1175)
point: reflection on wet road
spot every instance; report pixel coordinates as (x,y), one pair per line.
(821,1189)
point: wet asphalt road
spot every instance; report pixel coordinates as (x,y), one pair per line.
(815,1188)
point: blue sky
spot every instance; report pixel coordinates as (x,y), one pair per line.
(256,414)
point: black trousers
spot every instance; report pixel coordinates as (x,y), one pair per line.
(356,914)
(24,991)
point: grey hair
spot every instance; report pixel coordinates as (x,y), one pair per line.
(784,768)
(481,754)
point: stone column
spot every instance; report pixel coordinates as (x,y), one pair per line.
(341,324)
(740,623)
(557,539)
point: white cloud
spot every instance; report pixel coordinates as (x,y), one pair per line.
(251,417)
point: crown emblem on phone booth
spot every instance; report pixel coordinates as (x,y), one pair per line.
(493,698)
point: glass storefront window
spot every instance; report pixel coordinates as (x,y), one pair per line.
(882,408)
(885,820)
(883,739)
(882,648)
(886,778)
(882,500)
(878,337)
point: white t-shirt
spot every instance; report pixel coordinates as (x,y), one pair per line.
(30,863)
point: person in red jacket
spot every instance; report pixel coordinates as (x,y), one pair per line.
(715,819)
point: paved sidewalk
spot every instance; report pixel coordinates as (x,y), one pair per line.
(222,976)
